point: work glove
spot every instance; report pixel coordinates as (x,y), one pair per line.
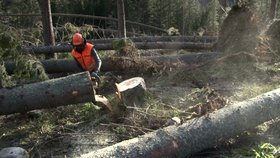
(95,77)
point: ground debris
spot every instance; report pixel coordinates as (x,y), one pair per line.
(210,100)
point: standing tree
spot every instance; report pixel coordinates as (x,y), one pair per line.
(48,34)
(121,19)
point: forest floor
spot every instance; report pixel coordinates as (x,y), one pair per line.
(77,129)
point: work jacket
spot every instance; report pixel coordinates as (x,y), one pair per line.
(85,58)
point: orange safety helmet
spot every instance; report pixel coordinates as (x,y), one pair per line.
(77,39)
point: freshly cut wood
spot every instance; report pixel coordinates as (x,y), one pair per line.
(103,101)
(124,63)
(76,88)
(132,91)
(197,134)
(108,46)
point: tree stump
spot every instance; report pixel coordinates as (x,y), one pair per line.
(132,91)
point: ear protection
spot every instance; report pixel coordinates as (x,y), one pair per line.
(85,41)
(78,39)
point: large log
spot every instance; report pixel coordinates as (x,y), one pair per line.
(76,88)
(203,39)
(197,134)
(108,46)
(122,63)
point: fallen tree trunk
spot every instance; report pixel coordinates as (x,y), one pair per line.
(76,88)
(197,134)
(174,45)
(123,63)
(108,46)
(203,39)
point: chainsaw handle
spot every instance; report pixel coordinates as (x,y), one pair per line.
(96,77)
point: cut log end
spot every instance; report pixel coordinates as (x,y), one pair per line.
(72,89)
(103,101)
(131,92)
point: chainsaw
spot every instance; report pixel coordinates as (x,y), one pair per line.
(95,79)
(100,100)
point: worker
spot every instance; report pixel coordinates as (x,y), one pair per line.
(85,55)
(87,59)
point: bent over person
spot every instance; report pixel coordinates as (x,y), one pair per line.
(85,54)
(87,58)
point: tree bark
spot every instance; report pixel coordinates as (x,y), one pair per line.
(124,63)
(197,134)
(48,33)
(272,9)
(203,39)
(121,19)
(76,88)
(108,46)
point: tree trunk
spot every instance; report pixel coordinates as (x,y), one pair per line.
(272,9)
(48,34)
(174,45)
(140,45)
(125,63)
(121,19)
(203,39)
(76,88)
(198,134)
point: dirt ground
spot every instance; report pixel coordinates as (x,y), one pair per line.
(66,132)
(78,129)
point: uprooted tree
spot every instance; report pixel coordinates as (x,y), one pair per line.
(239,31)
